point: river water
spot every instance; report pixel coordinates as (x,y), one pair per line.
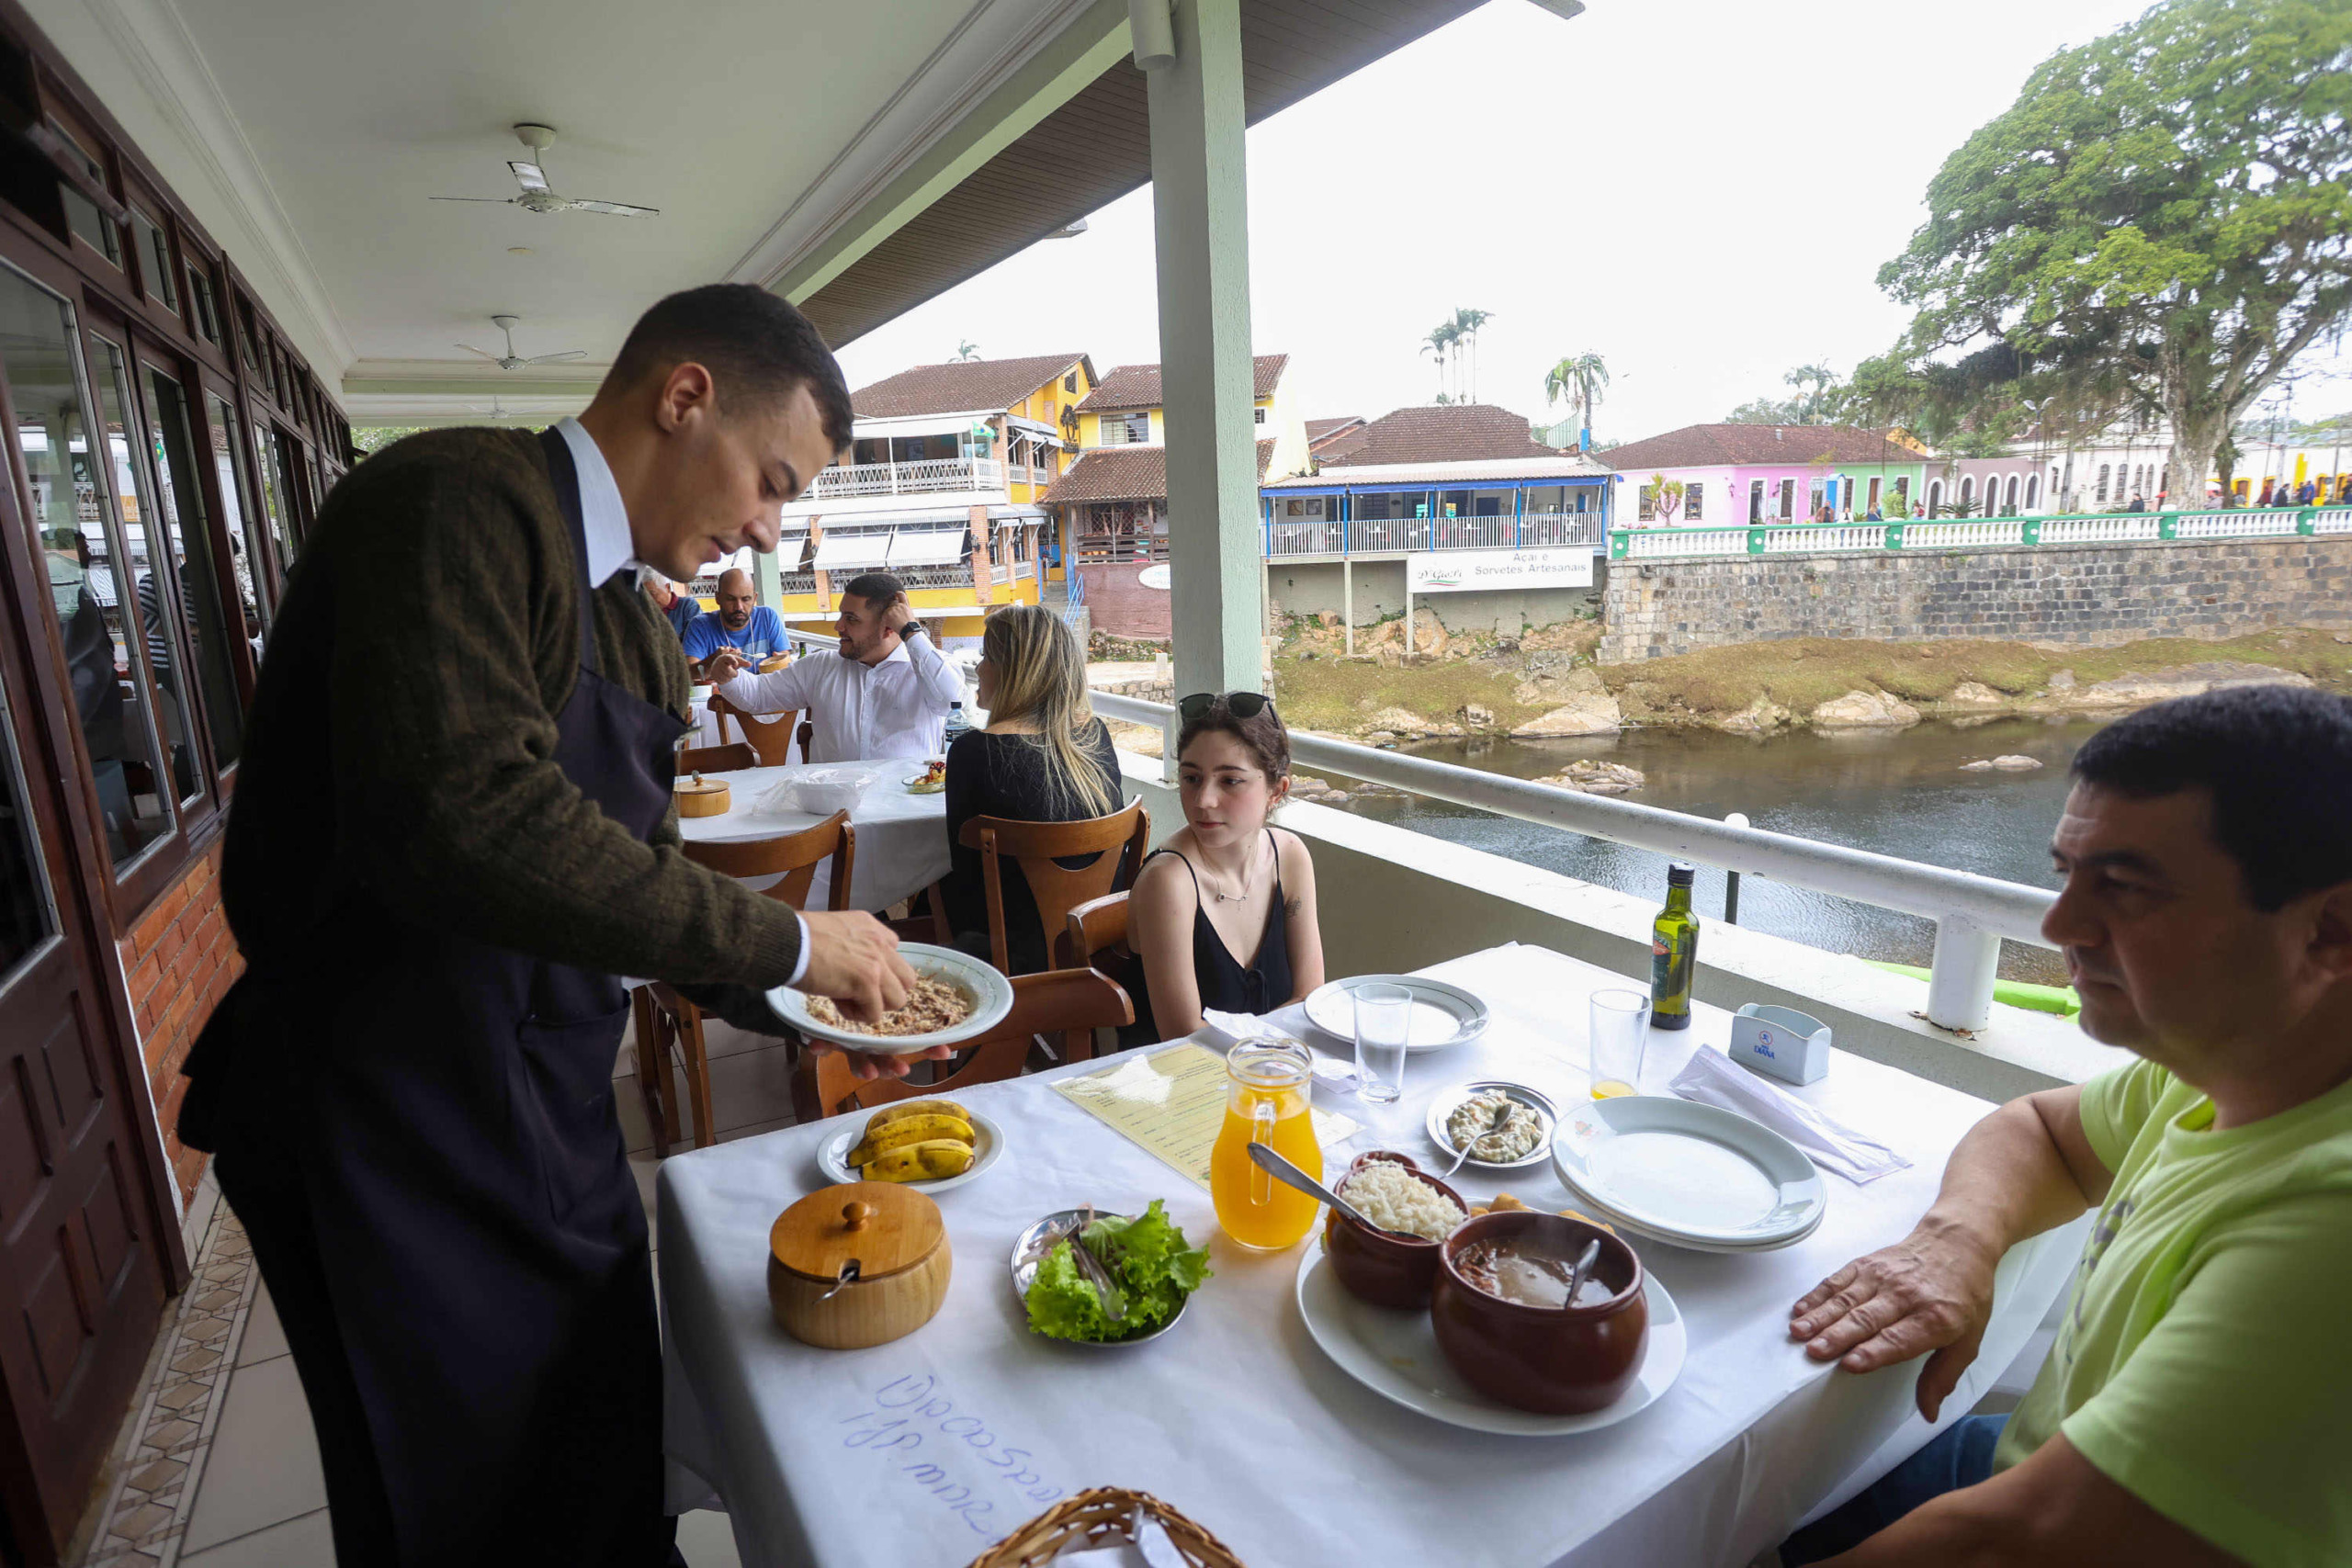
(1897,792)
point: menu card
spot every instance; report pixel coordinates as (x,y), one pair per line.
(1173,1104)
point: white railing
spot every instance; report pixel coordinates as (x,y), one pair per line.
(1972,913)
(2236,525)
(1393,536)
(1854,536)
(2128,529)
(929,476)
(1960,536)
(1287,538)
(1688,542)
(1374,535)
(2337,519)
(1549,530)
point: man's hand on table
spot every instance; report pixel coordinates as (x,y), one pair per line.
(1931,1291)
(854,958)
(724,665)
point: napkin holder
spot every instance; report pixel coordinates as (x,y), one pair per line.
(1780,1043)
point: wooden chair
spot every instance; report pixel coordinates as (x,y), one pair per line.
(666,1021)
(1056,1001)
(717,759)
(807,734)
(770,735)
(1036,846)
(1096,939)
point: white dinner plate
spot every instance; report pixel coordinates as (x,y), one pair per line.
(1395,1354)
(1628,1229)
(1690,1174)
(987,1143)
(1443,1014)
(981,979)
(1445,1102)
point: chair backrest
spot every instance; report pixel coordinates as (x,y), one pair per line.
(1056,1001)
(791,858)
(1099,925)
(717,759)
(769,734)
(807,734)
(1057,888)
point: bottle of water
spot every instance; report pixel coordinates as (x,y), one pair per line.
(957,723)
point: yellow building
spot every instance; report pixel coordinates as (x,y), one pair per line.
(944,486)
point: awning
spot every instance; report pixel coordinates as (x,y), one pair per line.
(791,552)
(927,547)
(852,552)
(1037,428)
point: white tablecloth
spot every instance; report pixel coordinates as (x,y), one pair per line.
(901,838)
(924,1451)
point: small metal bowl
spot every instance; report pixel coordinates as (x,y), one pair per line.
(1031,1248)
(1548,1119)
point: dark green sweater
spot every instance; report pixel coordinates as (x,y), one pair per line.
(402,735)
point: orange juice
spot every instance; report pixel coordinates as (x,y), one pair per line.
(1610,1089)
(1266,1102)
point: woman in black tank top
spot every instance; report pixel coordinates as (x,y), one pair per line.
(1232,769)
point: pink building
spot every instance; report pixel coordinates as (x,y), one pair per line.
(1739,474)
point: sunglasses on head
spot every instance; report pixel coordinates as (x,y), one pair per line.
(1240,704)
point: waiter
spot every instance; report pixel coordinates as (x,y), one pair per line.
(452,829)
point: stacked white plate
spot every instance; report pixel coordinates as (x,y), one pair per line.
(1688,1175)
(1443,1014)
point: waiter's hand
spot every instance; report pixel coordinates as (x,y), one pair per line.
(854,958)
(724,665)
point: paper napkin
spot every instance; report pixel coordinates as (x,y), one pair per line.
(1712,1078)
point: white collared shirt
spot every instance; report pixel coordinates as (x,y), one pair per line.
(897,707)
(604,520)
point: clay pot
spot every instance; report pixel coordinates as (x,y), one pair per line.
(1552,1361)
(1380,1268)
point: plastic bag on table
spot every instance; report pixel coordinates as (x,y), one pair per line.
(820,792)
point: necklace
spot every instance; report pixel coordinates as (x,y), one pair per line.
(1248,881)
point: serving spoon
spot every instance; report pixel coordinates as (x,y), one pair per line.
(1289,1175)
(1502,1115)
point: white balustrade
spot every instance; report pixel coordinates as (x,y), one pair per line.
(929,476)
(1549,530)
(1643,544)
(1962,535)
(1315,538)
(1856,536)
(2269,521)
(2334,520)
(2124,530)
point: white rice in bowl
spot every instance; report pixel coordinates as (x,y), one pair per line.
(1394,1198)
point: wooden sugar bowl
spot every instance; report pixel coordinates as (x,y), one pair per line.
(860,1264)
(699,796)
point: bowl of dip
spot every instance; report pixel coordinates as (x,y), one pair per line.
(1502,1320)
(1390,1190)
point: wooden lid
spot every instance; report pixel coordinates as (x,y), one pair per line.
(886,1226)
(694,784)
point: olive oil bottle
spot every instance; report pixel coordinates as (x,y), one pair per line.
(1674,953)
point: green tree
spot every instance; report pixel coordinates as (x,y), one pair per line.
(373,439)
(966,349)
(1586,375)
(2162,222)
(1445,342)
(1814,401)
(1466,325)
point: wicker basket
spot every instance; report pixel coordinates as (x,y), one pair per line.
(1103,1516)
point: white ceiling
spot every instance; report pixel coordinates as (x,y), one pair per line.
(743,121)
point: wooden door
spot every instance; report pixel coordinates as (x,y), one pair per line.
(86,1236)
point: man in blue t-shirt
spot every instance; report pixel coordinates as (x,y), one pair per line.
(677,606)
(741,623)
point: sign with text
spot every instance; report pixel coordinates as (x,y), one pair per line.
(1455,572)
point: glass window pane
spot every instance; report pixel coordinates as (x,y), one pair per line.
(82,214)
(276,497)
(26,917)
(69,498)
(246,537)
(179,492)
(142,569)
(204,304)
(155,260)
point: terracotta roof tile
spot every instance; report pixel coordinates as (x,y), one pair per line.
(960,386)
(1126,473)
(1436,433)
(1740,445)
(1320,431)
(1137,386)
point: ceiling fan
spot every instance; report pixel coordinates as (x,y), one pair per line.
(510,360)
(537,196)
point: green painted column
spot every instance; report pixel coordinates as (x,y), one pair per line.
(1201,224)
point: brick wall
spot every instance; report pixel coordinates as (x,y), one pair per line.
(1122,606)
(179,958)
(2090,596)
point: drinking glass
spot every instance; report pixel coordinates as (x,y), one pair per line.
(1621,1027)
(1384,1028)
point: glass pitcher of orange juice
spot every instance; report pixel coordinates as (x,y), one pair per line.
(1266,1102)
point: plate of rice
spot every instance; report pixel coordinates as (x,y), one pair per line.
(957,997)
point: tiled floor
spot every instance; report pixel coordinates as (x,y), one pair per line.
(217,1465)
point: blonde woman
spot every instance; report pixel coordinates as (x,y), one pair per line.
(1043,758)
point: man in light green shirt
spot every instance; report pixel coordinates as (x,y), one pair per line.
(2196,1407)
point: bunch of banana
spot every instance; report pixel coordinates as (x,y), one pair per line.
(921,1140)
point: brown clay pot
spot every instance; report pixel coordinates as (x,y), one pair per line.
(1552,1361)
(1379,1268)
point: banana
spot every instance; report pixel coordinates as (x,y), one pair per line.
(933,1160)
(907,1108)
(880,1140)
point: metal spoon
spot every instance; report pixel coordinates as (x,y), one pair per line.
(1502,1115)
(1289,1175)
(1585,1260)
(1106,1290)
(847,1277)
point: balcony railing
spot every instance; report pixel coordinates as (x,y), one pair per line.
(1972,913)
(1984,533)
(1391,535)
(928,477)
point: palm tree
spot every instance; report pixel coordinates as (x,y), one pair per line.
(965,349)
(1587,376)
(1467,324)
(1442,341)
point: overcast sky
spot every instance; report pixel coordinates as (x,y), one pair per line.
(1700,191)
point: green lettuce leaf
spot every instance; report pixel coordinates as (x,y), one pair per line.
(1062,1305)
(1148,1256)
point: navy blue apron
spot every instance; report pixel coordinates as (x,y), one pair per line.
(428,1160)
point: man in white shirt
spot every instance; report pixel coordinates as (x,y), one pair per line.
(886,696)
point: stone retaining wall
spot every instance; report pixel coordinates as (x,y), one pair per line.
(2090,596)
